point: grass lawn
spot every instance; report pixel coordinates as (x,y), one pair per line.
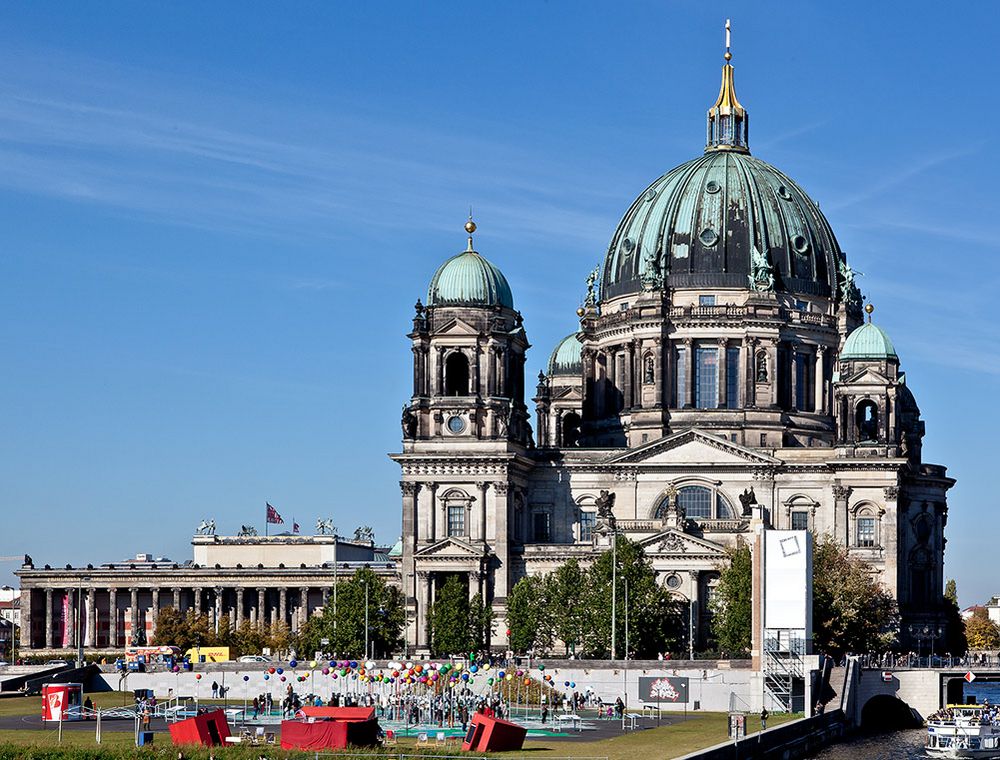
(687,735)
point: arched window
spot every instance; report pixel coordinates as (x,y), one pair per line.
(699,503)
(571,430)
(587,510)
(456,507)
(866,421)
(456,375)
(866,527)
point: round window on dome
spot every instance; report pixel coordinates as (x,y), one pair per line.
(673,582)
(708,236)
(783,192)
(800,244)
(456,424)
(712,186)
(650,195)
(628,245)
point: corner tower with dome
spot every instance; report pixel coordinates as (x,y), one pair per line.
(721,361)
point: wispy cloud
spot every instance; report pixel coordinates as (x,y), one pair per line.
(181,168)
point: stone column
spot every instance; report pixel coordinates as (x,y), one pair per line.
(793,367)
(283,605)
(748,393)
(49,633)
(501,539)
(663,377)
(155,608)
(630,376)
(113,617)
(723,375)
(134,610)
(439,374)
(841,521)
(819,375)
(423,602)
(772,365)
(888,537)
(303,606)
(197,600)
(416,370)
(69,636)
(261,606)
(239,606)
(90,637)
(432,534)
(482,511)
(410,528)
(26,619)
(477,376)
(689,363)
(218,606)
(475,584)
(695,614)
(177,598)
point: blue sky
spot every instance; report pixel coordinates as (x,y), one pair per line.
(215,219)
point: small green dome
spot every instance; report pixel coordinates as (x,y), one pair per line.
(567,359)
(469,280)
(868,342)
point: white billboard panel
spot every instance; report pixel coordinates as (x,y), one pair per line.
(788,580)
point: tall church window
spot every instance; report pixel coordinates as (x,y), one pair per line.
(680,378)
(706,368)
(456,375)
(456,520)
(541,527)
(587,522)
(800,520)
(732,377)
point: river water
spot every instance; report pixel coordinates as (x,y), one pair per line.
(898,745)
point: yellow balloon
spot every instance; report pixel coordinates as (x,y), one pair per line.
(486,666)
(312,664)
(508,677)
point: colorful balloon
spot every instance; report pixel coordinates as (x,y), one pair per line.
(246,678)
(293,663)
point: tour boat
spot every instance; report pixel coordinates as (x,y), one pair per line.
(963,731)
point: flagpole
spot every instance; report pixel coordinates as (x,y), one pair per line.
(266,521)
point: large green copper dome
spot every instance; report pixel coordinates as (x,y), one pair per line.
(868,342)
(703,220)
(567,358)
(469,280)
(715,220)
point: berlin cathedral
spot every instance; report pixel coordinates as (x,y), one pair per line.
(723,362)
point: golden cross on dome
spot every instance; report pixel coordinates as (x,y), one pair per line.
(728,55)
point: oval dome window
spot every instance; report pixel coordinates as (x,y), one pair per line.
(800,244)
(712,186)
(708,236)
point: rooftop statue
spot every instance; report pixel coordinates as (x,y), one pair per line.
(761,273)
(850,294)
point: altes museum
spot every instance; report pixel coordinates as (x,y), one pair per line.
(722,361)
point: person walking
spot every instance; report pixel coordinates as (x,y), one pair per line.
(763,719)
(215,689)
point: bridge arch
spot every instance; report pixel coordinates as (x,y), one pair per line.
(886,712)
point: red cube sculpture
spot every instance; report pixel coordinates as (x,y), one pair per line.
(493,735)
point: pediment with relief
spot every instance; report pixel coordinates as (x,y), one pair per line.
(677,543)
(450,548)
(457,328)
(693,447)
(867,376)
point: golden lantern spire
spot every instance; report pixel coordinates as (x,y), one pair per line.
(728,121)
(470,227)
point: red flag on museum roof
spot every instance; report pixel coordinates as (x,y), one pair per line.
(273,516)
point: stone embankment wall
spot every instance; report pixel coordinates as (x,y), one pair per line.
(796,739)
(713,684)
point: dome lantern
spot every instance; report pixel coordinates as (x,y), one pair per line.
(468,279)
(728,121)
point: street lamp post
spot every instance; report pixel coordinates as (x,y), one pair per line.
(366,620)
(614,589)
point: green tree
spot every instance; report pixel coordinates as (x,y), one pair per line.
(171,628)
(344,623)
(852,611)
(225,636)
(732,607)
(955,639)
(565,603)
(530,627)
(981,632)
(652,616)
(449,619)
(480,623)
(250,638)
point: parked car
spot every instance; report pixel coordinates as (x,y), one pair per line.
(57,663)
(254,658)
